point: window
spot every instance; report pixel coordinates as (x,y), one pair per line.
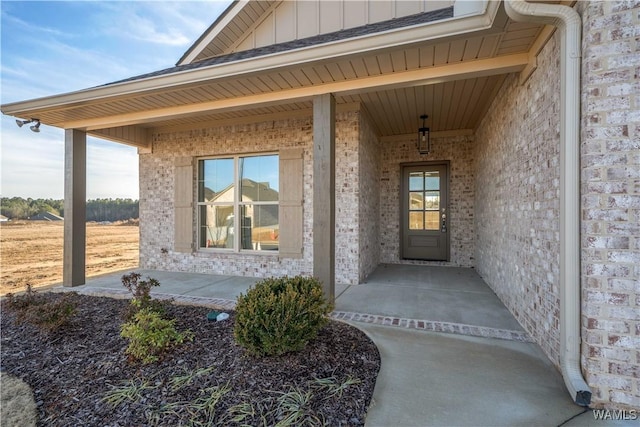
(239,194)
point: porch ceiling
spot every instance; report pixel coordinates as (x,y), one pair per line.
(452,80)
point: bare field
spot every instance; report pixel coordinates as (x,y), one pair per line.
(31,252)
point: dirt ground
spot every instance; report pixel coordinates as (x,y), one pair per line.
(31,252)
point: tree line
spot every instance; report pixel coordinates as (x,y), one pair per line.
(97,210)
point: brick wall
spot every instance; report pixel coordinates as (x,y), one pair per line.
(347,190)
(369,197)
(459,151)
(610,157)
(517,199)
(157,186)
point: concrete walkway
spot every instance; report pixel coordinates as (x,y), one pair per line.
(452,354)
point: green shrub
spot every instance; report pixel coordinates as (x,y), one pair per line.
(150,335)
(279,315)
(48,313)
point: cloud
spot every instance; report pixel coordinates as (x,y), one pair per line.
(28,29)
(166,23)
(140,28)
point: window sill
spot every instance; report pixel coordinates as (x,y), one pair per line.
(237,253)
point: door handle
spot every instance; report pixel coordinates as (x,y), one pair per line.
(443,228)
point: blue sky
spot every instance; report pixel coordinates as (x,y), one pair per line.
(52,47)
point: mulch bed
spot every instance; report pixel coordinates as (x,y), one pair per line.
(209,381)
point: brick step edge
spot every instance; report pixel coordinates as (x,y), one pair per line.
(433,326)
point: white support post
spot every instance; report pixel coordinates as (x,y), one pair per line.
(75,207)
(324,188)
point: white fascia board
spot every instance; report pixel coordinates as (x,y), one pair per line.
(213,32)
(470,7)
(341,48)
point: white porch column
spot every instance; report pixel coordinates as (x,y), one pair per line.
(324,188)
(75,207)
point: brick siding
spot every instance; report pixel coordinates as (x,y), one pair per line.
(156,197)
(157,186)
(517,199)
(369,200)
(610,196)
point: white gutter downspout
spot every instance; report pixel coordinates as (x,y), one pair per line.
(568,23)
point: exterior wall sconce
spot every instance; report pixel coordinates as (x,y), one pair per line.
(34,128)
(424,139)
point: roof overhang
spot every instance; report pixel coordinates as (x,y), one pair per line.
(331,51)
(486,67)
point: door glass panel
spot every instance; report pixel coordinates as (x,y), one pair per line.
(416,220)
(432,180)
(424,200)
(432,200)
(416,181)
(416,200)
(431,220)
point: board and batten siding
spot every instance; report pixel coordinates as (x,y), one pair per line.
(293,20)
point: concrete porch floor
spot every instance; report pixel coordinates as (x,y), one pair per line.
(483,371)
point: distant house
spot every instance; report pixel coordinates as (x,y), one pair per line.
(259,221)
(46,216)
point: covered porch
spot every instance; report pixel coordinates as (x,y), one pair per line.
(430,298)
(342,112)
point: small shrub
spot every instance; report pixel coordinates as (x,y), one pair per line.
(150,335)
(279,315)
(141,291)
(47,313)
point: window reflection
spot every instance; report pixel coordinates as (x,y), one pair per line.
(259,178)
(256,205)
(215,180)
(260,229)
(216,226)
(416,181)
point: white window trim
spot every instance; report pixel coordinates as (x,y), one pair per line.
(237,203)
